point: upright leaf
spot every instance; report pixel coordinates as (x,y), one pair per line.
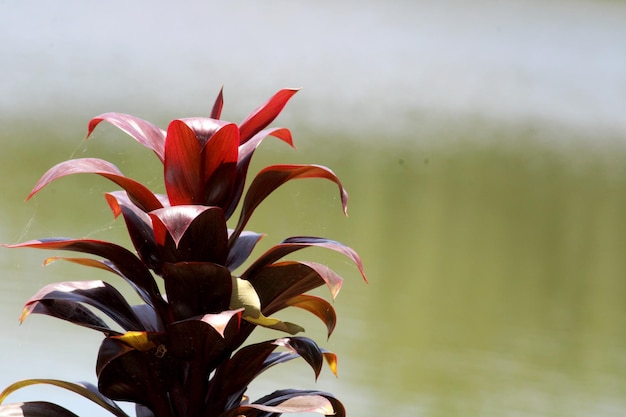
(260,118)
(183,180)
(272,177)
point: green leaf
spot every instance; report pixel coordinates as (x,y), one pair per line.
(245,296)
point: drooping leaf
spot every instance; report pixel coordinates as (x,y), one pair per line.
(272,177)
(144,132)
(278,283)
(98,294)
(242,249)
(307,349)
(280,397)
(234,376)
(139,194)
(126,263)
(34,409)
(245,156)
(195,289)
(82,389)
(69,311)
(183,181)
(299,404)
(260,118)
(295,243)
(318,306)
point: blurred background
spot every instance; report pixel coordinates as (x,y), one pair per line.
(482,144)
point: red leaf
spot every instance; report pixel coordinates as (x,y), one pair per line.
(141,130)
(245,155)
(260,118)
(216,112)
(139,194)
(270,178)
(182,165)
(219,165)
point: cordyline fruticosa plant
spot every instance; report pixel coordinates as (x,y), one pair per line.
(181,353)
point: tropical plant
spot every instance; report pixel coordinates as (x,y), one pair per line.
(181,351)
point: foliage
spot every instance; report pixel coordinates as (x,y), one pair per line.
(182,352)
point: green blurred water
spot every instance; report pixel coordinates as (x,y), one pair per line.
(496,267)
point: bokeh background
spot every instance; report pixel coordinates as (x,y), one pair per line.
(482,144)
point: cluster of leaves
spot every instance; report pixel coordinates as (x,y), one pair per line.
(181,351)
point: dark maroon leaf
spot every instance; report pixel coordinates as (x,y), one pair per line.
(127,374)
(150,321)
(242,249)
(128,264)
(70,311)
(142,131)
(139,194)
(295,243)
(272,177)
(232,379)
(143,411)
(139,226)
(195,289)
(260,118)
(34,409)
(278,283)
(279,397)
(199,345)
(191,233)
(216,112)
(98,294)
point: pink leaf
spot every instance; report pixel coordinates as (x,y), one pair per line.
(141,130)
(139,194)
